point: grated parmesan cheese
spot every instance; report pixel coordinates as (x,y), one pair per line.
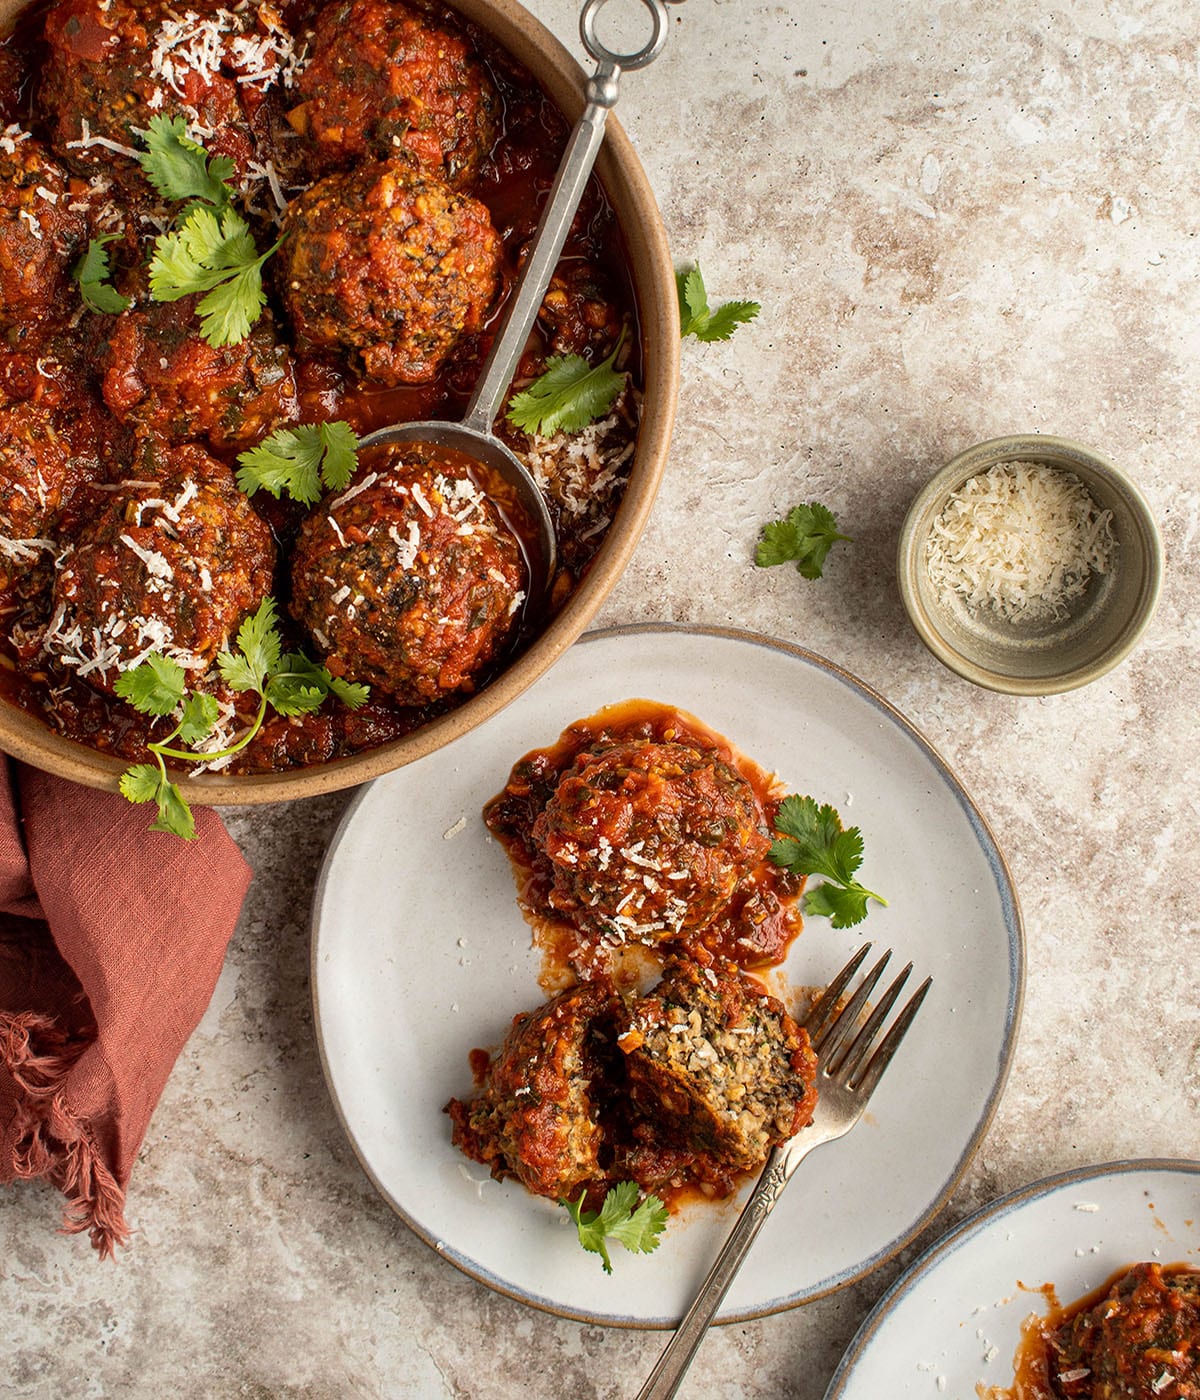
(1021,540)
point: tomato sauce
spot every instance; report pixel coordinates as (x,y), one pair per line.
(513,185)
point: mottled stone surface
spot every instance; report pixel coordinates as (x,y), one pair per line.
(961,220)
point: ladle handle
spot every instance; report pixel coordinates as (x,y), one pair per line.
(565,196)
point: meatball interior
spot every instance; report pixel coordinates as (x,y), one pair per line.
(410,581)
(649,840)
(42,230)
(537,1118)
(171,565)
(1142,1339)
(391,266)
(718,1065)
(382,81)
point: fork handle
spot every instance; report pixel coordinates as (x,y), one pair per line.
(672,1365)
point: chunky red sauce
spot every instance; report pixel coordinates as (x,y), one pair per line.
(1136,1337)
(512,184)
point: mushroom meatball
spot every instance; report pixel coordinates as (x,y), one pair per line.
(389,265)
(382,81)
(42,232)
(171,565)
(410,580)
(157,371)
(37,474)
(537,1118)
(648,840)
(717,1064)
(112,65)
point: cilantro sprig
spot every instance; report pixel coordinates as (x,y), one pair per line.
(301,461)
(620,1218)
(812,841)
(805,535)
(568,396)
(695,316)
(211,251)
(92,273)
(289,683)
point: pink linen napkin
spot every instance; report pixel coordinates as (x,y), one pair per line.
(111,940)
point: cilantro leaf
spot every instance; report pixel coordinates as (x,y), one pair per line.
(174,815)
(139,783)
(812,841)
(155,686)
(180,168)
(299,678)
(301,461)
(695,317)
(568,396)
(635,1226)
(199,716)
(806,535)
(212,252)
(92,272)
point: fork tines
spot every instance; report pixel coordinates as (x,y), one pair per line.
(842,1047)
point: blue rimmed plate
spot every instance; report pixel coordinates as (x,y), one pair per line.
(952,1322)
(420,954)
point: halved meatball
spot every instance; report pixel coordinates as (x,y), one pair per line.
(648,840)
(717,1064)
(172,565)
(42,233)
(390,266)
(536,1118)
(410,580)
(157,371)
(383,81)
(38,472)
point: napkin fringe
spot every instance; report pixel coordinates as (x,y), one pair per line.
(53,1143)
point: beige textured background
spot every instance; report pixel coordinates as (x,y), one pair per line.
(961,219)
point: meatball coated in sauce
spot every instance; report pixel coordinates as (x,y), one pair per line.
(410,581)
(112,65)
(382,81)
(158,372)
(42,233)
(392,267)
(38,472)
(1141,1340)
(537,1118)
(171,565)
(649,840)
(718,1065)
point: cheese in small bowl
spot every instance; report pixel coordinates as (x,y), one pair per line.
(1030,565)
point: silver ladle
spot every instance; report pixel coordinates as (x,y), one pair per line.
(473,436)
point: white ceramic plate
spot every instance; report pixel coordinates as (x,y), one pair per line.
(420,954)
(953,1320)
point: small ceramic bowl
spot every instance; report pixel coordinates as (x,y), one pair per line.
(1021,657)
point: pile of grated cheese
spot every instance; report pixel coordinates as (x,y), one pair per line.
(1020,539)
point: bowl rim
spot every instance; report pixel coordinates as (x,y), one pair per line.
(1068,454)
(29,738)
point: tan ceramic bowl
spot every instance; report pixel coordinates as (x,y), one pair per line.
(27,738)
(1044,659)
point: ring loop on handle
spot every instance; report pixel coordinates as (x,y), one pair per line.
(624,61)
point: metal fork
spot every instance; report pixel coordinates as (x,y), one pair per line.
(850,1063)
